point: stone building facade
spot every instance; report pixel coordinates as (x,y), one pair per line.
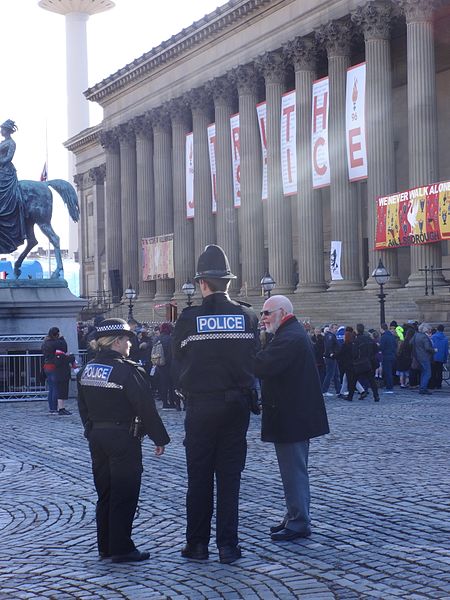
(131,167)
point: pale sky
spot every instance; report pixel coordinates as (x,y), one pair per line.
(33,72)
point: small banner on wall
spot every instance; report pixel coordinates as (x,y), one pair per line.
(320,159)
(261,110)
(288,144)
(355,122)
(157,257)
(335,261)
(212,163)
(414,217)
(190,175)
(236,158)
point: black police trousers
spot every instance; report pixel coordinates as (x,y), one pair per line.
(117,468)
(216,445)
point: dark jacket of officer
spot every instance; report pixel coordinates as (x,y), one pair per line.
(215,354)
(112,388)
(293,406)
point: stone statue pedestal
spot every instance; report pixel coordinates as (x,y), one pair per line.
(31,307)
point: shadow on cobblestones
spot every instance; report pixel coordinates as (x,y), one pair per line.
(380,493)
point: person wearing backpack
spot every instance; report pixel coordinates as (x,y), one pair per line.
(162,358)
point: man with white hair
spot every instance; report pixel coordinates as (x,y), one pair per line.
(293,410)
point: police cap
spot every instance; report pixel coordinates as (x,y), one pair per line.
(213,264)
(113,327)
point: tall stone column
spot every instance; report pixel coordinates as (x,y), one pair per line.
(251,224)
(130,242)
(97,177)
(183,245)
(113,213)
(279,212)
(83,224)
(422,120)
(145,195)
(343,195)
(162,163)
(302,53)
(227,216)
(204,222)
(374,19)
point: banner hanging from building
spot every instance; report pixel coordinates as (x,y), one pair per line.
(288,144)
(212,164)
(335,260)
(157,257)
(417,216)
(261,110)
(236,158)
(355,122)
(190,175)
(319,134)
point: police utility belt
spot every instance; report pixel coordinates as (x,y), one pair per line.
(134,428)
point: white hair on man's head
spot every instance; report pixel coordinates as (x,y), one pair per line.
(424,327)
(282,302)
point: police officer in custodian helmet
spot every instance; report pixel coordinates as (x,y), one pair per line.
(117,410)
(215,345)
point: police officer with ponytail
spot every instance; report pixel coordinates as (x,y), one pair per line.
(215,344)
(117,410)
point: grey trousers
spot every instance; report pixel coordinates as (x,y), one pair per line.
(293,464)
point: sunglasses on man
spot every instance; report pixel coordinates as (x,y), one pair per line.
(266,313)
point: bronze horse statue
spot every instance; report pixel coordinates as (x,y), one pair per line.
(37,206)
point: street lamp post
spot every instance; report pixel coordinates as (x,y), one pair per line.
(131,295)
(381,276)
(188,290)
(267,284)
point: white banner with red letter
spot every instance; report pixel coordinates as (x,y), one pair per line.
(212,163)
(319,133)
(355,122)
(236,157)
(261,110)
(190,175)
(288,144)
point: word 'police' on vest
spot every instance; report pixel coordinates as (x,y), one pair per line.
(96,371)
(209,323)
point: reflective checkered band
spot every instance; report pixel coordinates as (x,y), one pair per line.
(118,327)
(100,383)
(217,336)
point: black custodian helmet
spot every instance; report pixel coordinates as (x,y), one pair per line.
(213,264)
(113,327)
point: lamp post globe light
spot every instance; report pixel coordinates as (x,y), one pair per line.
(131,295)
(267,284)
(188,290)
(381,276)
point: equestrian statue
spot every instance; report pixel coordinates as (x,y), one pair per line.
(24,204)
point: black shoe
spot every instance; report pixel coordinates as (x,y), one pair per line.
(104,555)
(135,556)
(195,551)
(376,399)
(277,528)
(228,554)
(285,535)
(63,412)
(363,395)
(425,392)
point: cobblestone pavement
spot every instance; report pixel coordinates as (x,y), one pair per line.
(380,510)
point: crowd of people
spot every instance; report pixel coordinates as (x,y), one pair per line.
(405,356)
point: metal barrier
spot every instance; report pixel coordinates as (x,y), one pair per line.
(21,376)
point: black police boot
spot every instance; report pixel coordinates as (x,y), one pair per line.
(197,551)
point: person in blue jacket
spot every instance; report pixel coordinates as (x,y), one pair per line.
(388,348)
(440,344)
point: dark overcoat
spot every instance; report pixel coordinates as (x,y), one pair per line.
(293,405)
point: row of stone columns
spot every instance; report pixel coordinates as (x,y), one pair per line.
(145,186)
